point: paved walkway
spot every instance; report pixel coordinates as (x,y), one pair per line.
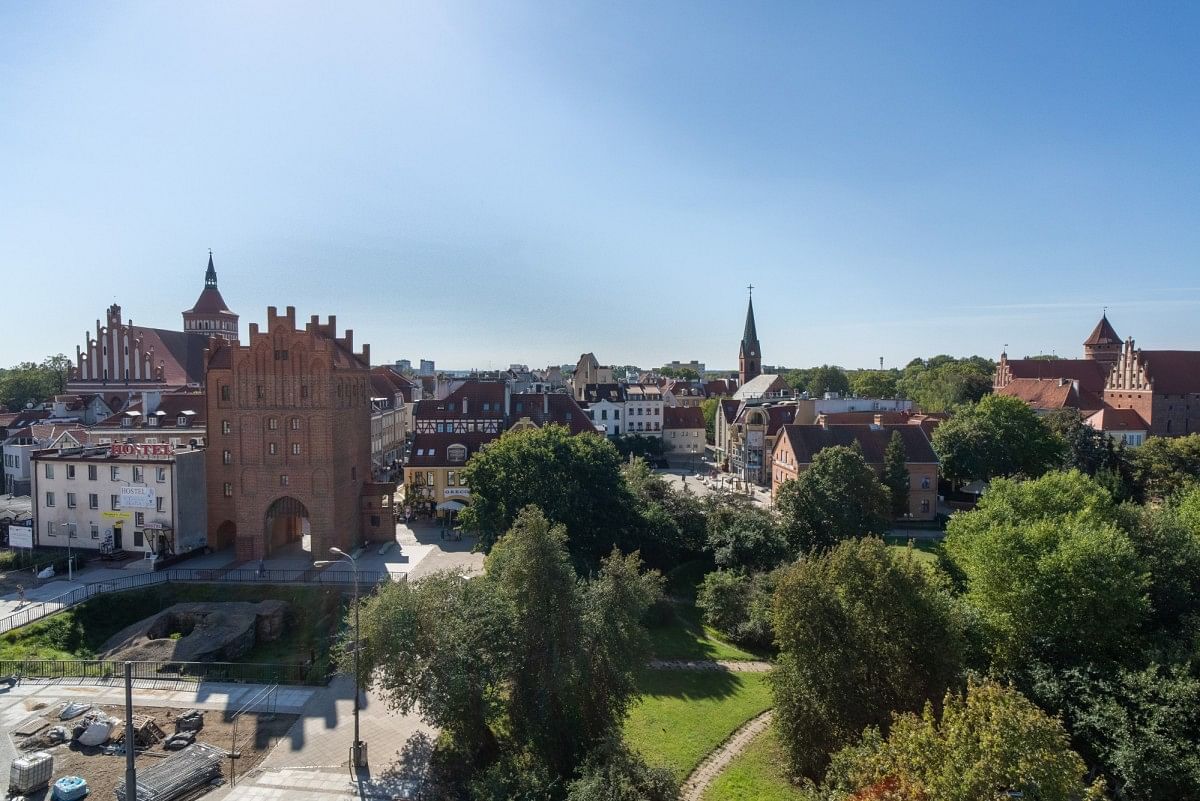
(711,766)
(729,665)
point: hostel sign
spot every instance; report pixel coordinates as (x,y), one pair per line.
(137,497)
(144,450)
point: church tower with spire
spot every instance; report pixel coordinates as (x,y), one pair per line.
(750,353)
(210,315)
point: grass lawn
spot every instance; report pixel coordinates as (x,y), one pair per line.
(756,774)
(686,637)
(683,714)
(314,616)
(923,550)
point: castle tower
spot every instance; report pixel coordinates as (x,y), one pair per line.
(750,353)
(1103,345)
(210,315)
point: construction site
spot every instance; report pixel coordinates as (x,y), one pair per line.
(71,749)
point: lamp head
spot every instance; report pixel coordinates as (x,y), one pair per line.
(337,550)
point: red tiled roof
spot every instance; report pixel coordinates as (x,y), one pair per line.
(866,418)
(683,417)
(1173,371)
(729,408)
(1042,393)
(22,418)
(172,405)
(475,394)
(210,302)
(721,387)
(1090,374)
(1103,333)
(554,408)
(1110,419)
(594,393)
(429,450)
(808,441)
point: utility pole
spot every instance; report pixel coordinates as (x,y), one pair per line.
(130,737)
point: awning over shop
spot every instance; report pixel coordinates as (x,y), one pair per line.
(452,506)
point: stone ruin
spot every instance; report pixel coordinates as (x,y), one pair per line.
(206,632)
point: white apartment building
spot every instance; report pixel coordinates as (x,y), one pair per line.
(643,410)
(135,497)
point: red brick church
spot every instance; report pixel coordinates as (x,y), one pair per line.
(1125,391)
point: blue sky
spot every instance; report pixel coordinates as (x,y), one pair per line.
(485,183)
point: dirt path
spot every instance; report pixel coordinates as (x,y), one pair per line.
(711,766)
(730,665)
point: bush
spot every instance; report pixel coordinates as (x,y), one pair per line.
(613,773)
(739,606)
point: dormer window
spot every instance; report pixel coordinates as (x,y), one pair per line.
(456,453)
(126,422)
(181,420)
(150,421)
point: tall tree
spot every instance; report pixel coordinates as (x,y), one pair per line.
(1163,466)
(828,378)
(29,383)
(999,436)
(837,497)
(990,744)
(942,383)
(895,474)
(709,408)
(575,480)
(862,632)
(1064,590)
(525,659)
(874,383)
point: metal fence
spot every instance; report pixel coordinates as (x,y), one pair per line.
(101,669)
(338,578)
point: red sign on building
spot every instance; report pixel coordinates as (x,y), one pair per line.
(141,449)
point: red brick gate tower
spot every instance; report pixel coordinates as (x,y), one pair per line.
(289,437)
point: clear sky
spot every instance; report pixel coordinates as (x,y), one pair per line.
(486,183)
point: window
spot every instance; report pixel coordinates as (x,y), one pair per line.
(616,414)
(273,423)
(139,518)
(226,394)
(281,355)
(70,500)
(450,478)
(283,481)
(925,482)
(272,448)
(138,474)
(71,471)
(48,470)
(354,472)
(93,500)
(295,449)
(925,505)
(226,427)
(295,423)
(114,501)
(259,392)
(139,539)
(227,457)
(91,472)
(159,503)
(160,474)
(126,422)
(114,473)
(228,490)
(152,421)
(375,521)
(303,391)
(429,478)
(49,499)
(51,530)
(604,414)
(95,531)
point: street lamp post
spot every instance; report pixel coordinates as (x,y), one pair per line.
(358,751)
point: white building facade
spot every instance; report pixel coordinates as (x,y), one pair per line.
(147,498)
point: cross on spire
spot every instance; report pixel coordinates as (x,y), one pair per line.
(751,288)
